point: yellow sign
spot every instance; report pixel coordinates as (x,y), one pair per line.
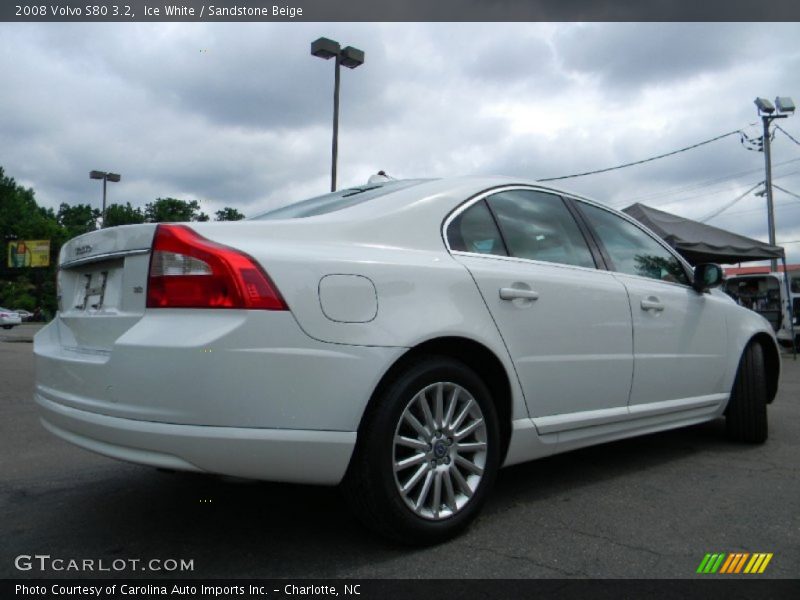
(29,253)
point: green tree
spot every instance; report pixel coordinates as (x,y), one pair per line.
(659,267)
(18,294)
(173,210)
(78,219)
(21,218)
(123,214)
(229,214)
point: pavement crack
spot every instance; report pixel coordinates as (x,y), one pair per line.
(527,559)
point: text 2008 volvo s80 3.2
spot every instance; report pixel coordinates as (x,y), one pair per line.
(404,339)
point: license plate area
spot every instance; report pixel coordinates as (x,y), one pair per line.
(96,288)
(93,296)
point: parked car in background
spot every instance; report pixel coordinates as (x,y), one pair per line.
(404,339)
(24,314)
(766,294)
(9,318)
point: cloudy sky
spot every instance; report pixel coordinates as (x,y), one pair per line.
(239,114)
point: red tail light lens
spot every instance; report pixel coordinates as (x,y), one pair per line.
(190,271)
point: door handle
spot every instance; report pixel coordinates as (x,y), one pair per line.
(652,303)
(517,293)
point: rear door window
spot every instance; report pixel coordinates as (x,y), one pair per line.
(538,226)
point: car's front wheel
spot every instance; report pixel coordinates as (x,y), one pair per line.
(427,455)
(746,416)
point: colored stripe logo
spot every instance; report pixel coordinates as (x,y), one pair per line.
(734,563)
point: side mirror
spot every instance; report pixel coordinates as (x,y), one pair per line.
(706,276)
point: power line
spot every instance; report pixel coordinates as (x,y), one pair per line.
(646,160)
(714,213)
(707,194)
(707,183)
(787,134)
(786,191)
(791,205)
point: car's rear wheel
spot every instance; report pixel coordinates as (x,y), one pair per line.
(427,454)
(746,417)
(7,326)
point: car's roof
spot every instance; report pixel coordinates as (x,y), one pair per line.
(443,195)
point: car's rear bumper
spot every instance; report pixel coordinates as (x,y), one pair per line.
(290,455)
(230,369)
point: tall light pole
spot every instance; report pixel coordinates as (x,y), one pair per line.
(106,177)
(349,57)
(767,112)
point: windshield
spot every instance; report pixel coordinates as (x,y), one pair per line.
(334,201)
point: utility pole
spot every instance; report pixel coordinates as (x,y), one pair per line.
(767,112)
(768,185)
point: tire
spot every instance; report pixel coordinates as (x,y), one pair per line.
(462,464)
(746,419)
(7,326)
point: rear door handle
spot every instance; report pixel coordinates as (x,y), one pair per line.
(652,303)
(517,293)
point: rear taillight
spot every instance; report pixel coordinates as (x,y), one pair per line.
(190,271)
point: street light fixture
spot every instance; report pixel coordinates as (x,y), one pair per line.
(113,177)
(767,112)
(348,57)
(784,104)
(764,105)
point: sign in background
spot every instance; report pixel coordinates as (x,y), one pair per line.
(28,253)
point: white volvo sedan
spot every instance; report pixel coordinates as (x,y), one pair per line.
(405,339)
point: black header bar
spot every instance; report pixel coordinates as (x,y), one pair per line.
(396,10)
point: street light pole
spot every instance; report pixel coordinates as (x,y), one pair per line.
(103,214)
(106,177)
(349,57)
(335,143)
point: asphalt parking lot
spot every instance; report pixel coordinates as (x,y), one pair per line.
(642,508)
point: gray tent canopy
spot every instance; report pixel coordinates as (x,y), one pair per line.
(701,243)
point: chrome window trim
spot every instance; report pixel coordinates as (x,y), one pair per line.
(518,259)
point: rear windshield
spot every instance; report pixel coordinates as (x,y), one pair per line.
(334,201)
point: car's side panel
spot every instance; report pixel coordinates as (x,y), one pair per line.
(421,295)
(680,346)
(571,346)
